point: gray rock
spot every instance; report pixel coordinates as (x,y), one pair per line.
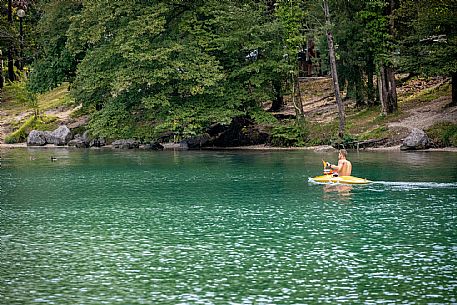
(98,142)
(78,142)
(36,138)
(60,136)
(126,144)
(417,139)
(154,146)
(48,137)
(197,142)
(183,145)
(86,137)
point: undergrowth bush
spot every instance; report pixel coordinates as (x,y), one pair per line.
(443,134)
(287,135)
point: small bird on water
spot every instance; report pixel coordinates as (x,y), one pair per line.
(53,158)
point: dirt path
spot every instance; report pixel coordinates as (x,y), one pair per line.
(425,116)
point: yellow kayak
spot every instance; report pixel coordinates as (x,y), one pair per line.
(339,179)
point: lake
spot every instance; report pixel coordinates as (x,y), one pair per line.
(225,227)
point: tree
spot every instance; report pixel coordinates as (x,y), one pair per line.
(173,65)
(9,32)
(53,63)
(7,37)
(291,14)
(386,79)
(428,38)
(11,76)
(336,87)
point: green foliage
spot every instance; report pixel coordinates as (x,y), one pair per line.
(443,134)
(20,135)
(364,43)
(262,117)
(172,61)
(321,133)
(428,36)
(54,64)
(287,135)
(377,133)
(8,32)
(179,66)
(346,142)
(114,121)
(19,92)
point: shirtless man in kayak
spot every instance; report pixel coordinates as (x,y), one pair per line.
(344,167)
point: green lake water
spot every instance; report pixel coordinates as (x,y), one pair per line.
(225,227)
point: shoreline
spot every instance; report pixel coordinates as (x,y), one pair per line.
(320,148)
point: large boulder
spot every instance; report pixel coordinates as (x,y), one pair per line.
(417,139)
(36,138)
(60,136)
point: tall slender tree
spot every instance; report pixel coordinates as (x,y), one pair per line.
(332,58)
(11,75)
(386,80)
(291,14)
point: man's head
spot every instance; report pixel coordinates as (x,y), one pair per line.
(342,154)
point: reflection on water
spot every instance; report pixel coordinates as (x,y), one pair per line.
(133,227)
(342,190)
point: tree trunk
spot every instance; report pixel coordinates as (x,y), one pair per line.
(387,91)
(10,49)
(278,101)
(454,88)
(383,91)
(370,77)
(296,100)
(336,87)
(392,93)
(1,70)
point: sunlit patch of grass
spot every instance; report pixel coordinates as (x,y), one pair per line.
(376,133)
(57,97)
(42,122)
(426,95)
(13,102)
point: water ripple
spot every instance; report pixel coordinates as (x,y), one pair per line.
(128,228)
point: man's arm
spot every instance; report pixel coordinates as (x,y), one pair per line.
(337,167)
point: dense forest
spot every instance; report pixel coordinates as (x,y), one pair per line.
(145,68)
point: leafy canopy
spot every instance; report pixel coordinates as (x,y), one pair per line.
(188,63)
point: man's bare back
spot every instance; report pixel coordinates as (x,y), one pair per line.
(344,167)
